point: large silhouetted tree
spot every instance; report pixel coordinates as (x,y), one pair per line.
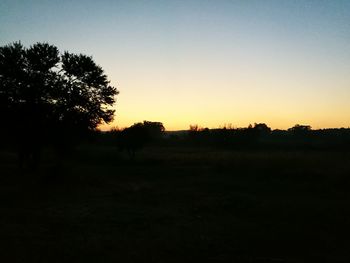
(46,96)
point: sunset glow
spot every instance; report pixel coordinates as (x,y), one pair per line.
(205,62)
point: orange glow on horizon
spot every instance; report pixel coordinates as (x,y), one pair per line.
(209,63)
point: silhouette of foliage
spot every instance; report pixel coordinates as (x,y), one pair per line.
(262,128)
(297,129)
(254,137)
(154,129)
(138,135)
(46,96)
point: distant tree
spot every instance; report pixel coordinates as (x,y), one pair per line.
(194,128)
(48,96)
(300,130)
(262,128)
(138,135)
(193,132)
(154,130)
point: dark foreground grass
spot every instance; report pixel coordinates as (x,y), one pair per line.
(177,205)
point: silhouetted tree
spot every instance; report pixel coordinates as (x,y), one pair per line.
(47,96)
(300,129)
(136,136)
(262,128)
(155,130)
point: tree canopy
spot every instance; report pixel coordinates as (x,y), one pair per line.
(42,89)
(138,135)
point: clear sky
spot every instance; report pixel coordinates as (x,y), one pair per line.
(204,62)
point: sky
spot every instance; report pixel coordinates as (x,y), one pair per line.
(208,62)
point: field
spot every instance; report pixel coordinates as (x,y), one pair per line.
(177,204)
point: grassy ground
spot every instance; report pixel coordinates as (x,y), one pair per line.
(177,205)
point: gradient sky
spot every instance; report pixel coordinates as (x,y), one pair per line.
(205,62)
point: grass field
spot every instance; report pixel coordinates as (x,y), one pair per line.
(177,204)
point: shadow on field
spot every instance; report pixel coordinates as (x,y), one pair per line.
(177,204)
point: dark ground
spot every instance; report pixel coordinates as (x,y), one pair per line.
(177,204)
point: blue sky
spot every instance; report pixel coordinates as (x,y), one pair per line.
(205,62)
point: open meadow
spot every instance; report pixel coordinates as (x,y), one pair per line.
(176,204)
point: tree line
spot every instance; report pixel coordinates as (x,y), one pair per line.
(261,136)
(55,99)
(254,137)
